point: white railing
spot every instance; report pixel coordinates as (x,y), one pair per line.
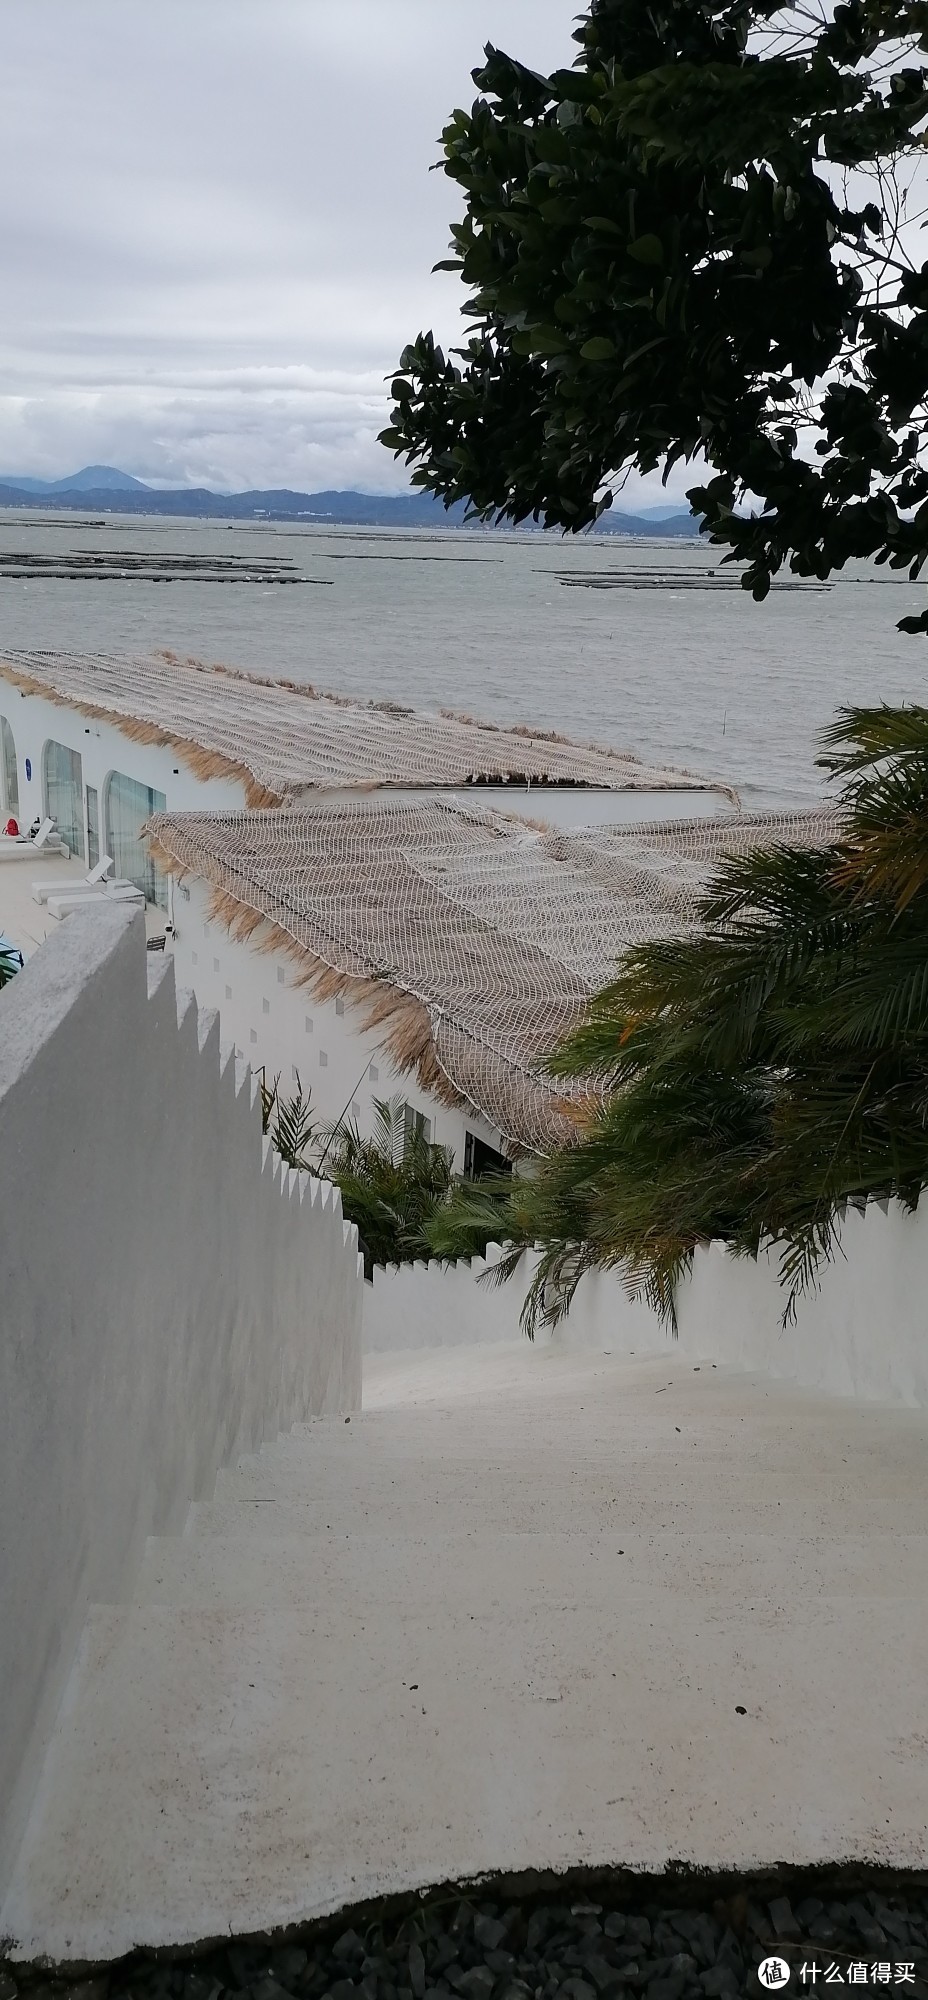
(171,1296)
(862,1333)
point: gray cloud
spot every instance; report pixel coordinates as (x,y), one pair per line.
(219,224)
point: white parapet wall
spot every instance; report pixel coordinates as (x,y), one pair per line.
(861,1332)
(449,1304)
(440,1304)
(171,1297)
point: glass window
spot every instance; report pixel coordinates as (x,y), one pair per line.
(93,826)
(480,1159)
(127,805)
(415,1127)
(64,794)
(10,776)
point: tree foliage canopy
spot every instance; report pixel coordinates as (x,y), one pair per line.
(699,242)
(763,1073)
(392,1183)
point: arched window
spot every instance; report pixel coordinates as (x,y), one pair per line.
(9,776)
(126,807)
(64,794)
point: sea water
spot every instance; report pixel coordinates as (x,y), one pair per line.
(646,646)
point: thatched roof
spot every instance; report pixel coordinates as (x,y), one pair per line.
(473,941)
(283,739)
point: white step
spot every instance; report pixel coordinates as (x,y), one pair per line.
(658,1514)
(258,1572)
(239,1770)
(509,1623)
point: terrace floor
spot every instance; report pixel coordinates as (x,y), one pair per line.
(530,1609)
(27,922)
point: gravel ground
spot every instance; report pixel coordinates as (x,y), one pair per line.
(605,1945)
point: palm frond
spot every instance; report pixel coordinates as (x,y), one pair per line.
(863,736)
(762,1072)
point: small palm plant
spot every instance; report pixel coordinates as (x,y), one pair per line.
(760,1075)
(10,962)
(290,1123)
(392,1184)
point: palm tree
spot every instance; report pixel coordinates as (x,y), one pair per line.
(391,1184)
(761,1075)
(290,1123)
(10,962)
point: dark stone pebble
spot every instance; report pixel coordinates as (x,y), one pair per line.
(689,1943)
(489,1932)
(289,1963)
(718,1981)
(809,1908)
(349,1945)
(602,1974)
(477,1984)
(894,1926)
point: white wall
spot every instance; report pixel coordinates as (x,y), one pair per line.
(450,1304)
(274,1034)
(265,1012)
(170,1297)
(863,1334)
(102,749)
(441,1305)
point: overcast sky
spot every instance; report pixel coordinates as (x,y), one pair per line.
(219,224)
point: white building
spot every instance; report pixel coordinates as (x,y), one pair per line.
(378,902)
(101,742)
(436,949)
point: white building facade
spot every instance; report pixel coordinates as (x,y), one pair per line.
(97,784)
(101,787)
(278,1026)
(102,744)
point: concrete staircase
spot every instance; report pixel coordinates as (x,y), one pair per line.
(531,1609)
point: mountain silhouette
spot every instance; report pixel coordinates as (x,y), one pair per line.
(91,479)
(105,489)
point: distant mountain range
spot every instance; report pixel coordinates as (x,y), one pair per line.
(93,479)
(104,488)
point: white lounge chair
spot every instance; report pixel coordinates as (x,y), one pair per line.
(14,847)
(95,880)
(62,905)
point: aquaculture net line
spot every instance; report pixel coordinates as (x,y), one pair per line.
(473,941)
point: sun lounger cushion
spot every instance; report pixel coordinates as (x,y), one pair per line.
(62,905)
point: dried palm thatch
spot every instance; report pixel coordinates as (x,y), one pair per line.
(280,739)
(472,942)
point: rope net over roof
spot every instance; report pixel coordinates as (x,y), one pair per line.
(472,940)
(282,738)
